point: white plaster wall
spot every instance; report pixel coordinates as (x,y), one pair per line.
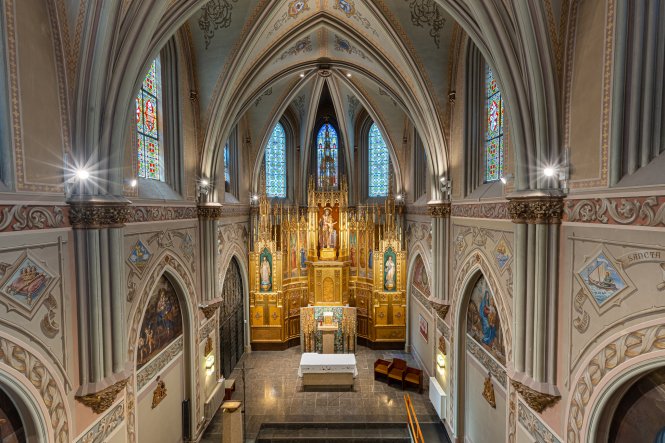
(483,424)
(422,350)
(164,423)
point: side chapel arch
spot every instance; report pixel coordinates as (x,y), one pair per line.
(475,267)
(177,274)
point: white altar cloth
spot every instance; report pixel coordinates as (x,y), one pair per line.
(311,362)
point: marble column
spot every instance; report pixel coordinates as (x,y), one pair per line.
(98,229)
(537,218)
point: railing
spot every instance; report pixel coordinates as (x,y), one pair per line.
(414,426)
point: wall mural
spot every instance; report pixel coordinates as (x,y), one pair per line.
(601,278)
(162,322)
(483,323)
(27,283)
(420,278)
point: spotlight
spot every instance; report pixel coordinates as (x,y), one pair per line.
(549,171)
(204,182)
(133,183)
(443,180)
(82,174)
(302,75)
(348,74)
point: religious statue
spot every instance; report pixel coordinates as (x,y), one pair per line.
(265,274)
(390,273)
(327,233)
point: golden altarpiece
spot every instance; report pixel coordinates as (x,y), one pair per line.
(327,254)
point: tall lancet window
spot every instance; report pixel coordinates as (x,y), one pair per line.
(379,163)
(148,125)
(327,157)
(275,159)
(494,130)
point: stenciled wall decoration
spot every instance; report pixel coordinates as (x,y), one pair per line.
(483,323)
(162,322)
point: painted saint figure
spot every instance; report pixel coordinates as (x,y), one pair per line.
(265,274)
(488,319)
(390,273)
(327,233)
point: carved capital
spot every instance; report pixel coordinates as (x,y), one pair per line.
(439,209)
(210,212)
(536,210)
(102,400)
(209,310)
(440,308)
(538,401)
(93,215)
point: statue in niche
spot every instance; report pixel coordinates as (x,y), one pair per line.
(266,273)
(390,273)
(327,233)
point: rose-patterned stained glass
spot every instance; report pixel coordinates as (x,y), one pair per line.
(148,126)
(327,157)
(275,158)
(494,129)
(379,163)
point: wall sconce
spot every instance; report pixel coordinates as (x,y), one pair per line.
(446,186)
(210,364)
(440,361)
(203,187)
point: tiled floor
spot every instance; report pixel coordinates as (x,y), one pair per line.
(275,394)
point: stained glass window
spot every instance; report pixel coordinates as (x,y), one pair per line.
(276,163)
(148,125)
(494,131)
(379,163)
(227,175)
(327,157)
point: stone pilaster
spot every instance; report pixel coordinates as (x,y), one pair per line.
(537,218)
(209,214)
(440,213)
(98,224)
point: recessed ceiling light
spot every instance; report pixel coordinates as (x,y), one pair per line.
(348,74)
(302,74)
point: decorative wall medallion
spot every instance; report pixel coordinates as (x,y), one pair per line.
(216,14)
(303,45)
(297,6)
(488,391)
(102,400)
(427,12)
(603,279)
(347,6)
(502,254)
(159,393)
(343,45)
(26,284)
(140,255)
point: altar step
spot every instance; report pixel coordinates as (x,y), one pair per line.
(333,432)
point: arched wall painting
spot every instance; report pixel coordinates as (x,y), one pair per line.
(420,280)
(11,426)
(482,322)
(162,322)
(640,415)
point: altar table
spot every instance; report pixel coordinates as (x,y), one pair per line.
(327,369)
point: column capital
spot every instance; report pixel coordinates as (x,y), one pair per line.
(101,400)
(536,208)
(99,212)
(211,211)
(439,209)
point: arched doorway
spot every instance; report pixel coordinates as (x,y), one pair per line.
(231,323)
(160,355)
(12,429)
(482,366)
(636,411)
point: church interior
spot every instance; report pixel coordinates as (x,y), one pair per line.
(343,220)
